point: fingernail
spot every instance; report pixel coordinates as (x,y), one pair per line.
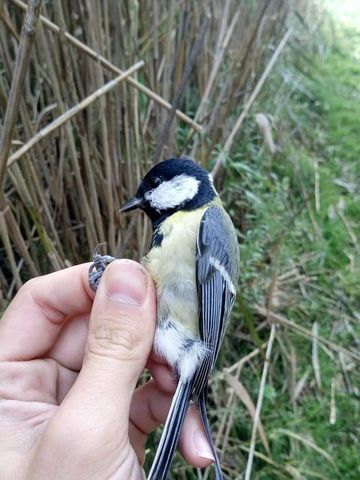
(202,446)
(126,282)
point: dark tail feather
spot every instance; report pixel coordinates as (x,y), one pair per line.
(202,405)
(170,436)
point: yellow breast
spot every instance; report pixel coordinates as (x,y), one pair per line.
(172,267)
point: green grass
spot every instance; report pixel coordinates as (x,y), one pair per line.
(283,228)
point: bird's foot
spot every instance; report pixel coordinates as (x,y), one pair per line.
(97,268)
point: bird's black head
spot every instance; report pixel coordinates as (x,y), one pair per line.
(172,185)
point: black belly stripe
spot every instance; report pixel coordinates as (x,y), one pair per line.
(157,239)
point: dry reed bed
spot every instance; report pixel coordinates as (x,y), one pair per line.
(111,88)
(64,184)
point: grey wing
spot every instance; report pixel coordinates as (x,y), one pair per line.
(217,270)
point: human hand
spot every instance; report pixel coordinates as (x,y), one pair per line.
(69,364)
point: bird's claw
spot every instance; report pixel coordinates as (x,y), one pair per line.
(97,268)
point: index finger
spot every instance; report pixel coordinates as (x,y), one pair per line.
(33,320)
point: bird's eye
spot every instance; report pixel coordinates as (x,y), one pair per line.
(155,182)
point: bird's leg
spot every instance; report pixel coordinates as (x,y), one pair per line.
(97,268)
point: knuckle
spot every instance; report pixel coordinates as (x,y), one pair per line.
(29,286)
(116,336)
(34,290)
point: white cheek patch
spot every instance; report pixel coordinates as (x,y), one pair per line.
(173,193)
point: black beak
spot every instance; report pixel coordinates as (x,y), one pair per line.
(131,204)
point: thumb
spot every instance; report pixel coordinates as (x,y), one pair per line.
(122,325)
(121,332)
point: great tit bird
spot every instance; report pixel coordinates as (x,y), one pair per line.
(194,262)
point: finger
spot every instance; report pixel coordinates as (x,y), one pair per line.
(121,332)
(193,444)
(32,322)
(150,408)
(163,375)
(35,381)
(157,358)
(69,349)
